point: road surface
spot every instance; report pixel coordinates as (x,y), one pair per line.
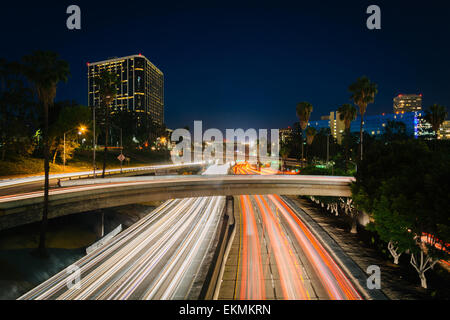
(159,257)
(279,258)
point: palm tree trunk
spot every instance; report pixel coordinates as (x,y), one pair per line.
(347,147)
(54,155)
(361,137)
(42,249)
(306,154)
(303,140)
(106,141)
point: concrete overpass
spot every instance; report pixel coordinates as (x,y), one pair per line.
(36,183)
(88,194)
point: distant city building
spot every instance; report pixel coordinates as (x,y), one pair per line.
(408,103)
(332,121)
(444,131)
(285,134)
(374,125)
(141,89)
(337,126)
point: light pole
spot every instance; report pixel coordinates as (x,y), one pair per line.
(93,140)
(328,148)
(121,147)
(81,129)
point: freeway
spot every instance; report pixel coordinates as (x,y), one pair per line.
(104,185)
(280,258)
(92,194)
(159,257)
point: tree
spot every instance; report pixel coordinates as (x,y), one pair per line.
(394,130)
(435,115)
(403,186)
(107,85)
(310,134)
(347,113)
(363,93)
(304,110)
(67,117)
(45,70)
(284,153)
(17,112)
(392,227)
(127,121)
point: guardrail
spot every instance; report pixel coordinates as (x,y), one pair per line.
(211,287)
(7,183)
(130,170)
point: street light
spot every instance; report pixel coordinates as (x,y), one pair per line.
(121,147)
(81,130)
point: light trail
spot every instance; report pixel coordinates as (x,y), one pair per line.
(252,269)
(289,238)
(159,257)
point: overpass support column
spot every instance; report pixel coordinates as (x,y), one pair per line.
(230,209)
(99,223)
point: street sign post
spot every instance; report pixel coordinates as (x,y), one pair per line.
(121,157)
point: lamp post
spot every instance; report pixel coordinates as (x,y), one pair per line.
(93,140)
(328,148)
(121,147)
(81,130)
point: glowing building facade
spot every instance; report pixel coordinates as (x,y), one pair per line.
(141,89)
(408,103)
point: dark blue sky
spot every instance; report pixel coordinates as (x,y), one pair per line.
(247,64)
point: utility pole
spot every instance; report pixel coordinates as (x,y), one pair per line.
(93,140)
(121,149)
(328,148)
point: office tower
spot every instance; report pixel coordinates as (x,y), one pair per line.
(407,103)
(141,89)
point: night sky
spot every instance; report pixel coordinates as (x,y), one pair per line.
(246,64)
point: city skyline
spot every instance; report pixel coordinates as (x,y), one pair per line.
(222,59)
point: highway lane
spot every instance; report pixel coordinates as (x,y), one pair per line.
(280,258)
(159,257)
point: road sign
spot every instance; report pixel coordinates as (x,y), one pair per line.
(121,157)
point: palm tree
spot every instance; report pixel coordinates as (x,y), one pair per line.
(363,92)
(45,70)
(436,115)
(347,113)
(304,110)
(284,153)
(310,134)
(107,85)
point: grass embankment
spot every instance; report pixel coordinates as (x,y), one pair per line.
(82,161)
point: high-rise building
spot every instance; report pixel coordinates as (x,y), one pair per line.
(337,126)
(141,89)
(332,121)
(408,103)
(444,131)
(285,134)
